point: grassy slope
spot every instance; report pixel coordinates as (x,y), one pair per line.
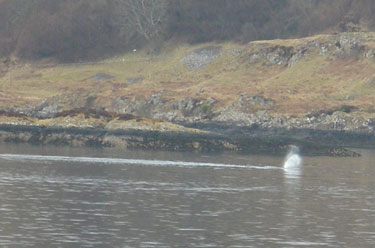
(316,81)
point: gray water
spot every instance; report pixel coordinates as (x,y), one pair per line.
(65,197)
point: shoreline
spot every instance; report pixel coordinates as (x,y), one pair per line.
(257,97)
(244,140)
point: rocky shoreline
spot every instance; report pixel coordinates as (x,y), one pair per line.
(186,125)
(253,142)
(315,92)
(247,111)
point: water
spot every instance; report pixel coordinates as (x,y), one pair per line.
(62,197)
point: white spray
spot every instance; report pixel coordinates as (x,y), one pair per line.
(293,160)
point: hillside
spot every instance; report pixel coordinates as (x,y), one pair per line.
(323,82)
(283,77)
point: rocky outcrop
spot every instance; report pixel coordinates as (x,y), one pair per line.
(274,55)
(335,46)
(248,110)
(237,131)
(174,110)
(160,140)
(335,121)
(51,107)
(201,57)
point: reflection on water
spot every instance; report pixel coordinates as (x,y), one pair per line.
(107,198)
(292,190)
(293,165)
(293,175)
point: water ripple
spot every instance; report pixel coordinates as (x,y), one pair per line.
(39,158)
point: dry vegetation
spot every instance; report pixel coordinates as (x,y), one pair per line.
(315,81)
(82,120)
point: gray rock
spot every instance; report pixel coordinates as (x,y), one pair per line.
(261,101)
(187,105)
(276,55)
(156,100)
(48,111)
(199,58)
(102,76)
(50,107)
(297,57)
(369,54)
(351,96)
(323,50)
(280,56)
(134,80)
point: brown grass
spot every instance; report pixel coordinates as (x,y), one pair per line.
(314,82)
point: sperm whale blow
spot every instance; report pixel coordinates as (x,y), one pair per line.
(293,159)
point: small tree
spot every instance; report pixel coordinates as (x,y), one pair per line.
(145,17)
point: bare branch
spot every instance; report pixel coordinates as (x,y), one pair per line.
(147,17)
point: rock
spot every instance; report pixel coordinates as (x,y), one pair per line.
(187,105)
(280,55)
(351,96)
(51,107)
(156,99)
(342,152)
(249,104)
(199,108)
(297,57)
(369,54)
(323,50)
(48,111)
(199,58)
(261,101)
(274,55)
(128,105)
(102,76)
(210,101)
(134,80)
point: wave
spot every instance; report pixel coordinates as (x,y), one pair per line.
(41,158)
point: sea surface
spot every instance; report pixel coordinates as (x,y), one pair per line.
(85,197)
